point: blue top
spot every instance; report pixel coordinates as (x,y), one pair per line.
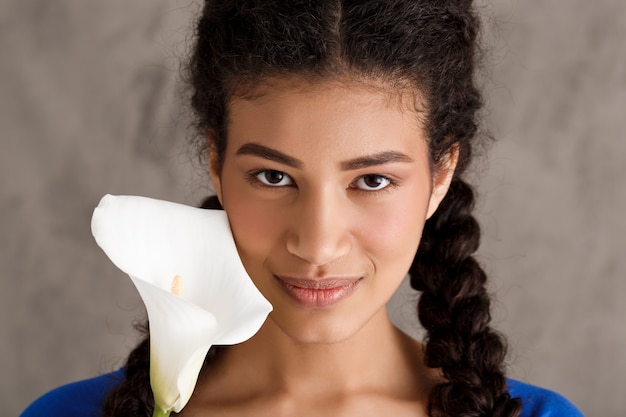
(85,399)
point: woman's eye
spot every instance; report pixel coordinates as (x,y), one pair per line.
(372,182)
(273,178)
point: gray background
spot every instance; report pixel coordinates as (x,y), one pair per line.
(89,106)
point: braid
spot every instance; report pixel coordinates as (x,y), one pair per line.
(133,397)
(454,309)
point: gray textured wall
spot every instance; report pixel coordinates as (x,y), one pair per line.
(88,106)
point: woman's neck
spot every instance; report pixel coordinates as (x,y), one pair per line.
(379,360)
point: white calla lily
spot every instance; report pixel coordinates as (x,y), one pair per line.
(185,265)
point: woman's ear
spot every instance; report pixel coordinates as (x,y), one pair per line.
(214,172)
(442,178)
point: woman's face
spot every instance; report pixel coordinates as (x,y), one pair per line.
(327,188)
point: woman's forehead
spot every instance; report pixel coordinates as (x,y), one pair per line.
(330,120)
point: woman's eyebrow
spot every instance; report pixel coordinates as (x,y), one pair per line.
(261,151)
(361,162)
(375,159)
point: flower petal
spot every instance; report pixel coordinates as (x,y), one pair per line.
(156,240)
(167,247)
(180,337)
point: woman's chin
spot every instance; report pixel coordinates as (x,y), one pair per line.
(316,330)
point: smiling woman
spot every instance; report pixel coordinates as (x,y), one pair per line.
(337,134)
(326,214)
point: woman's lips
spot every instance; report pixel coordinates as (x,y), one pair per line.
(318,292)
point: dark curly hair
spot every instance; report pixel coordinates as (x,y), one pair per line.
(428,48)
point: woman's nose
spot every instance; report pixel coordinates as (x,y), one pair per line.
(319,229)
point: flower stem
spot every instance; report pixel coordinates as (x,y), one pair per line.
(158,412)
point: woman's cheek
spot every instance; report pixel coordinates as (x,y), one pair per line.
(254,225)
(393,231)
